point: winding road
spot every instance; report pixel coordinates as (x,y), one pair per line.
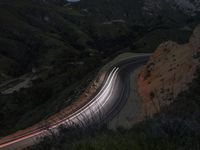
(103,106)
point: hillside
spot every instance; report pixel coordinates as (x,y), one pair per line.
(43,55)
(170,125)
(174,12)
(51,50)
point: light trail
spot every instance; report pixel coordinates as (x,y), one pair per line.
(104,103)
(102,97)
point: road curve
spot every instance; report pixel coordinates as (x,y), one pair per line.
(104,105)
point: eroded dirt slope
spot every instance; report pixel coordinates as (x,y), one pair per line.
(168,72)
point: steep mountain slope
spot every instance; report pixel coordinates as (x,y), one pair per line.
(34,34)
(136,20)
(42,54)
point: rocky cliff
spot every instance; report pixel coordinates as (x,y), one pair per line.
(169,71)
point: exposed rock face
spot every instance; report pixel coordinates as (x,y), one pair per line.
(168,72)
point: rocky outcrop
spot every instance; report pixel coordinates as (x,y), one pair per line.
(168,72)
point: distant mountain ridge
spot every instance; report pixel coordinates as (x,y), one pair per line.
(188,7)
(143,10)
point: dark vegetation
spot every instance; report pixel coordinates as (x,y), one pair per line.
(176,127)
(63,45)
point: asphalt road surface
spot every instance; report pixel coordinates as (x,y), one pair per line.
(103,106)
